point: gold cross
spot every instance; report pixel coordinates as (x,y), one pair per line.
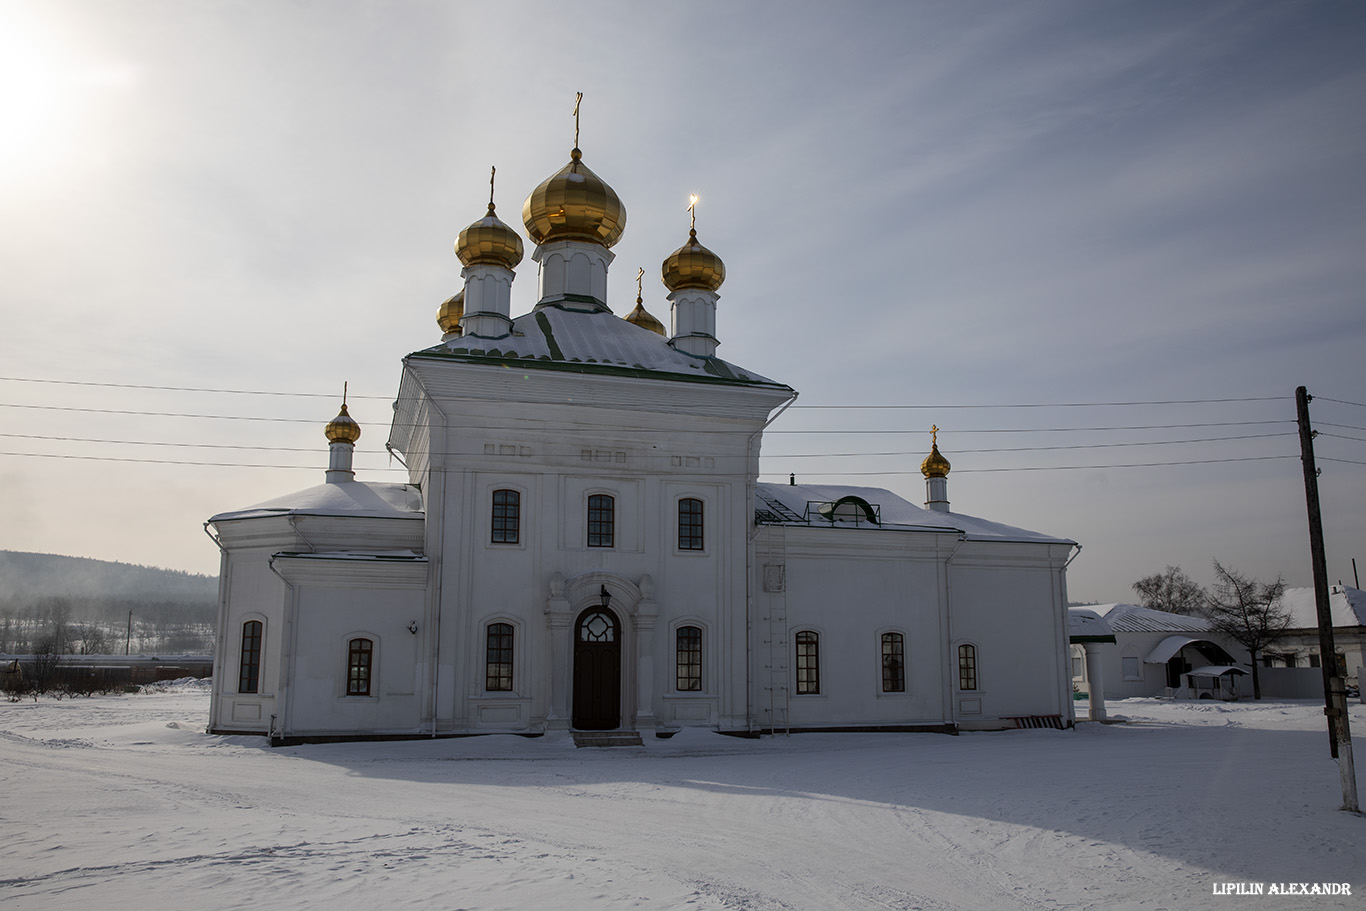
(692,207)
(640,275)
(492,171)
(934,435)
(577,101)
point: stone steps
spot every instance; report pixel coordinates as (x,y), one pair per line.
(607,739)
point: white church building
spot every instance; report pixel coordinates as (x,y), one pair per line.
(583,545)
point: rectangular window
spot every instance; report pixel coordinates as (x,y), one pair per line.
(601,520)
(967,667)
(1130,668)
(507,517)
(893,663)
(1076,667)
(1313,660)
(358,655)
(498,658)
(808,663)
(249,678)
(689,659)
(1290,661)
(689,524)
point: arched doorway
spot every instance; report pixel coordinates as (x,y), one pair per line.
(597,671)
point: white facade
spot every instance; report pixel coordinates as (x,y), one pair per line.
(583,545)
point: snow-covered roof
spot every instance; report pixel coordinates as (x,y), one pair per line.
(1347,606)
(556,337)
(1215,670)
(1085,625)
(798,504)
(1130,618)
(360,499)
(1168,647)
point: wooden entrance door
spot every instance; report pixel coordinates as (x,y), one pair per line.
(597,671)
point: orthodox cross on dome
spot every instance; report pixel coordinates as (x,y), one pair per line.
(576,154)
(692,210)
(934,434)
(640,276)
(493,171)
(344,385)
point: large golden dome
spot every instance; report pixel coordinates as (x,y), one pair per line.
(450,313)
(574,204)
(489,241)
(342,428)
(693,266)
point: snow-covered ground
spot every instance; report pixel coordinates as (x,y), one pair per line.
(125,803)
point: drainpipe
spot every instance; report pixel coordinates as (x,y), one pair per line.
(751,480)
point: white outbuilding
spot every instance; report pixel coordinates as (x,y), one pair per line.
(583,545)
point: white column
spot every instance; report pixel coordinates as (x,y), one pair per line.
(692,318)
(644,622)
(937,494)
(1095,678)
(488,300)
(339,462)
(558,628)
(572,273)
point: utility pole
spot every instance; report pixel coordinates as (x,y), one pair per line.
(1334,687)
(128,642)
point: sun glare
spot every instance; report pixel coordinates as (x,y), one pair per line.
(47,98)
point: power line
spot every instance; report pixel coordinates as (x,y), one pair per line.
(311,395)
(785,455)
(542,426)
(862,407)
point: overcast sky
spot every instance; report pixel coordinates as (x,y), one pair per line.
(952,206)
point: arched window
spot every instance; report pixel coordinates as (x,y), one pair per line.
(249,678)
(808,663)
(689,524)
(689,659)
(507,517)
(967,667)
(893,663)
(601,520)
(359,653)
(498,658)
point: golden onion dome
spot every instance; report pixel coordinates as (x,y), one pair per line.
(343,428)
(489,241)
(574,204)
(693,266)
(644,319)
(449,314)
(935,465)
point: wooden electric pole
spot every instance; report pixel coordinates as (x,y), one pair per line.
(1334,686)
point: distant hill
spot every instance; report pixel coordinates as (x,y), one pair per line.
(75,605)
(26,579)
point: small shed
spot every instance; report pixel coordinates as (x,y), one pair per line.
(1214,681)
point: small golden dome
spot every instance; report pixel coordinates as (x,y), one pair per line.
(935,465)
(642,318)
(342,428)
(693,266)
(448,316)
(574,204)
(489,241)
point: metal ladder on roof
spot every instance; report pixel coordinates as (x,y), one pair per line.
(773,591)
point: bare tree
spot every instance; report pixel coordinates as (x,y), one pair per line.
(1250,612)
(1171,590)
(41,672)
